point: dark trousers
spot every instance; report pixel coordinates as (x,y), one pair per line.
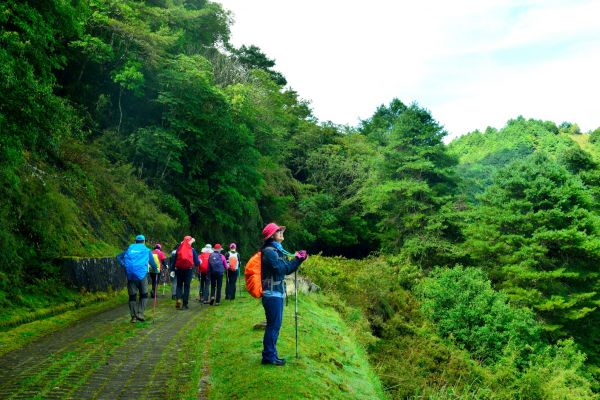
(274,312)
(154,278)
(184,279)
(230,285)
(216,282)
(203,283)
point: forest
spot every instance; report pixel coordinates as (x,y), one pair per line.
(475,262)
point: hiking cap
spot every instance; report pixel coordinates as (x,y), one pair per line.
(218,247)
(158,246)
(140,238)
(232,246)
(270,229)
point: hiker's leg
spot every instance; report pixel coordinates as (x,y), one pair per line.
(273,312)
(219,286)
(179,274)
(188,275)
(227,288)
(132,291)
(199,275)
(232,283)
(174,285)
(143,289)
(204,279)
(213,286)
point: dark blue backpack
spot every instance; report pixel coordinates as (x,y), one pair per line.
(215,264)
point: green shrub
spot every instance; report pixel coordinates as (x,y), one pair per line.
(464,308)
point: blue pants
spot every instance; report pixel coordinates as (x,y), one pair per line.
(274,312)
(184,279)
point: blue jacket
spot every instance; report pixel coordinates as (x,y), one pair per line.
(274,268)
(135,260)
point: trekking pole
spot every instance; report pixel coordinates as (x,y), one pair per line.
(296,312)
(154,306)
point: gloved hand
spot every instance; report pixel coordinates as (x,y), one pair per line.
(301,255)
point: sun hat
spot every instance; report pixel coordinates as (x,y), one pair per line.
(218,247)
(270,229)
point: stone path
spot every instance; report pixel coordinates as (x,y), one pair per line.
(102,357)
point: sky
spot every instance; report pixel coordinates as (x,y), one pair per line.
(471,63)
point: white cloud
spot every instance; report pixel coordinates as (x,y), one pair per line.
(472,63)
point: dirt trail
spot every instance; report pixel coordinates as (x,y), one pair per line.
(102,357)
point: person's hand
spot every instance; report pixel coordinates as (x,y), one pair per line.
(301,255)
(172,274)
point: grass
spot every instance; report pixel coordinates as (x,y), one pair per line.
(33,324)
(223,356)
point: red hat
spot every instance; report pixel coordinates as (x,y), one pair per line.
(217,247)
(270,229)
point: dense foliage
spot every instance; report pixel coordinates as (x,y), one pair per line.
(126,117)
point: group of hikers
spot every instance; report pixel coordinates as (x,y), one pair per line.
(211,266)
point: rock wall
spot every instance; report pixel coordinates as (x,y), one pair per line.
(94,274)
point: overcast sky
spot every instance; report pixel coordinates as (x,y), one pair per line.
(472,63)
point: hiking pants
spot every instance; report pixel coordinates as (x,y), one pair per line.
(216,281)
(274,312)
(203,289)
(154,278)
(184,279)
(230,285)
(134,287)
(173,285)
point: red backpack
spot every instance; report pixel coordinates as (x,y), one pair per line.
(185,256)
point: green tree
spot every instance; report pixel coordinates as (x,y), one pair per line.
(411,189)
(537,236)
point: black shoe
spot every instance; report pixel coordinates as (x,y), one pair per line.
(278,361)
(133,319)
(185,307)
(212,301)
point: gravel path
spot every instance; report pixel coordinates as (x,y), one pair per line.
(102,357)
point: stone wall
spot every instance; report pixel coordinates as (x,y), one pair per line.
(94,274)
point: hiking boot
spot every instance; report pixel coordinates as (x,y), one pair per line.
(185,307)
(212,301)
(217,303)
(133,319)
(178,304)
(280,362)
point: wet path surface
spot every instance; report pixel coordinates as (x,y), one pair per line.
(103,357)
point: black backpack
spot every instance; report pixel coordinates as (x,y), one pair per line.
(215,263)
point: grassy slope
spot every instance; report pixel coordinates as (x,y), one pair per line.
(44,321)
(331,364)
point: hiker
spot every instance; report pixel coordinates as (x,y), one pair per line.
(172,275)
(186,258)
(275,267)
(217,265)
(233,260)
(135,260)
(155,277)
(203,278)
